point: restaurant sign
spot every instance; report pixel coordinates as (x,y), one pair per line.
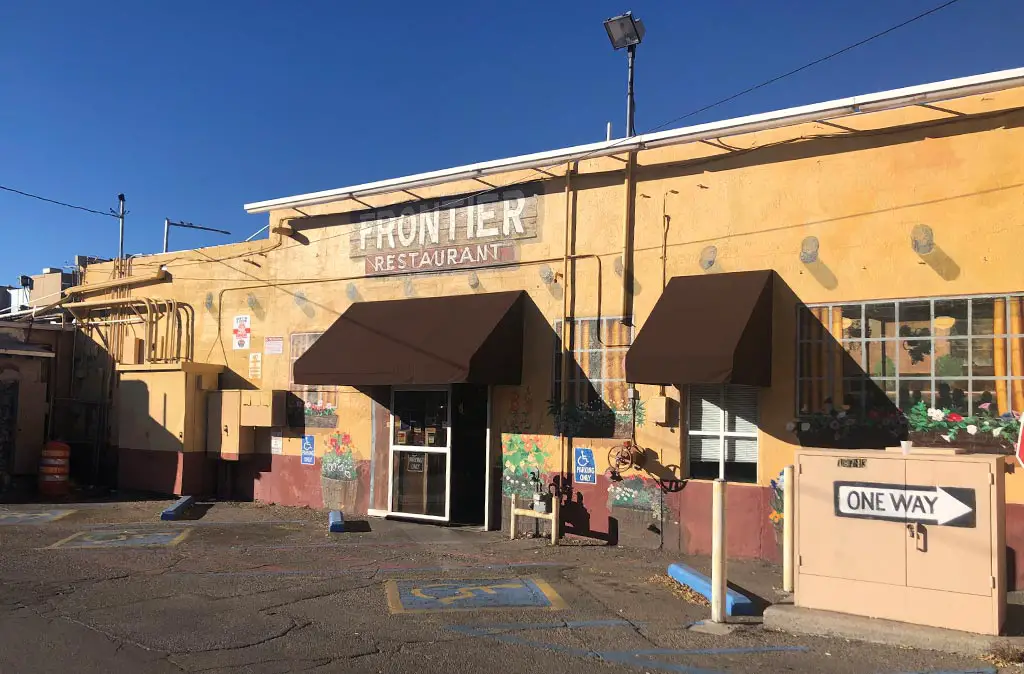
(447,234)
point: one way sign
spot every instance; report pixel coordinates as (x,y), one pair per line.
(946,506)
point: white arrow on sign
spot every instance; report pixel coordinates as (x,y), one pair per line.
(889,502)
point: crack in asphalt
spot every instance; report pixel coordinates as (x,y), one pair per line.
(637,628)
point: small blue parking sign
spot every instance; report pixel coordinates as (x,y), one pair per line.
(586,471)
(308,450)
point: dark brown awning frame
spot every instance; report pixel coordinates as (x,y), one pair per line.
(709,329)
(476,339)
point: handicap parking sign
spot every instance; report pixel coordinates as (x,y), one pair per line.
(586,470)
(308,454)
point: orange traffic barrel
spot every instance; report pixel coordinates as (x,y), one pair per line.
(54,466)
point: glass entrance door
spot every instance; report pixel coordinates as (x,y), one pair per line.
(420,453)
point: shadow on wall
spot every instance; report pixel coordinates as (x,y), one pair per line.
(149,453)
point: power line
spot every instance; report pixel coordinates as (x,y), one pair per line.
(442,203)
(807,65)
(58,203)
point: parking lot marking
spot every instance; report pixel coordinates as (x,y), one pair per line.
(14,517)
(422,596)
(121,539)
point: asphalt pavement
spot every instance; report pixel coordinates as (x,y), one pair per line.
(250,588)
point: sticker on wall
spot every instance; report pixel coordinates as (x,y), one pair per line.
(276,442)
(242,332)
(256,365)
(308,450)
(273,346)
(583,460)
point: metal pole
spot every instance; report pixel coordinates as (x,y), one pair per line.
(788,530)
(167,232)
(120,221)
(608,132)
(719,566)
(630,131)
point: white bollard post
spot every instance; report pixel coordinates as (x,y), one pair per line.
(719,565)
(788,527)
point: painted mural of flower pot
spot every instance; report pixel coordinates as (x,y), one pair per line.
(340,495)
(339,476)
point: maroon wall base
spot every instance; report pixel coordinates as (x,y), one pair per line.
(748,530)
(162,472)
(276,478)
(1014,546)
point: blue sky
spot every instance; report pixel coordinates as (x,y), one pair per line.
(193,108)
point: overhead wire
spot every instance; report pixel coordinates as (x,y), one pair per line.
(55,201)
(442,204)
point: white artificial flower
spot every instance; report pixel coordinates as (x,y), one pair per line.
(936,414)
(841,414)
(790,426)
(972,429)
(946,437)
(805,426)
(996,431)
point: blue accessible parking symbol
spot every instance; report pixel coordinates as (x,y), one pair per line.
(418,596)
(122,539)
(586,470)
(308,450)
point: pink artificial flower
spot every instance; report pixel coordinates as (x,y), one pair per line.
(984,406)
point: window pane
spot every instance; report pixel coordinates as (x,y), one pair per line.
(950,317)
(419,483)
(951,395)
(983,357)
(984,394)
(916,358)
(420,419)
(741,408)
(852,323)
(880,358)
(915,318)
(913,391)
(881,320)
(743,450)
(705,415)
(853,393)
(950,358)
(880,396)
(853,359)
(981,319)
(704,447)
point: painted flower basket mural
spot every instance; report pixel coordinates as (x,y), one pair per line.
(984,431)
(339,475)
(320,414)
(596,419)
(636,493)
(923,425)
(522,455)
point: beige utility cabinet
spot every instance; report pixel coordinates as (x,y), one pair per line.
(163,406)
(226,437)
(917,538)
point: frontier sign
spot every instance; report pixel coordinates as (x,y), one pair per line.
(446,234)
(944,506)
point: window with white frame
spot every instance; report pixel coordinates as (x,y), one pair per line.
(722,420)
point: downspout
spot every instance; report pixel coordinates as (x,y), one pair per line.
(627,244)
(567,349)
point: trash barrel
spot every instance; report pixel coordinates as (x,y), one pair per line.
(54,466)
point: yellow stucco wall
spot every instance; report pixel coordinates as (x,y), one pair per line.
(859,184)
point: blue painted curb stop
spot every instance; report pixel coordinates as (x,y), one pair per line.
(735,603)
(337,520)
(179,508)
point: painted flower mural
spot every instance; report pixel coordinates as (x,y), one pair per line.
(521,456)
(778,500)
(636,493)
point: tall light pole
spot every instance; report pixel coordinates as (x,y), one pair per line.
(626,31)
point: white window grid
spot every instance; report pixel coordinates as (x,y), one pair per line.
(595,359)
(896,380)
(722,433)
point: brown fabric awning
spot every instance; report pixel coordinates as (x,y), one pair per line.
(709,329)
(475,339)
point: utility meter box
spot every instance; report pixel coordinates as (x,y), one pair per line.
(915,538)
(264,409)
